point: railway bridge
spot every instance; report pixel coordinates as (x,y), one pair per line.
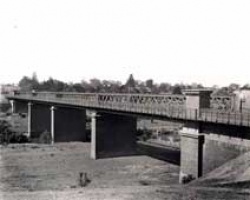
(209,137)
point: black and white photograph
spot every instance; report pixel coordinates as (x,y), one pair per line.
(124,100)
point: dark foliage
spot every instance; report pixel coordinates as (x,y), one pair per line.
(5,131)
(45,138)
(143,134)
(14,138)
(103,86)
(8,136)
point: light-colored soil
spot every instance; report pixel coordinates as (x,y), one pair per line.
(233,174)
(44,172)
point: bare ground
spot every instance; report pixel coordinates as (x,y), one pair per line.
(40,172)
(233,174)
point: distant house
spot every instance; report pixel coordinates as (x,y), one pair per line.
(243,99)
(4,90)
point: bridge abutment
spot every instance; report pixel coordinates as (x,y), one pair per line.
(112,135)
(205,147)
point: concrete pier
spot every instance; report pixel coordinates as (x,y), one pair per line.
(192,139)
(191,154)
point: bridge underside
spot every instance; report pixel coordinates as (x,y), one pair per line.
(70,124)
(112,135)
(57,124)
(39,119)
(19,106)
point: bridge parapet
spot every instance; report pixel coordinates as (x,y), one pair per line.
(223,102)
(167,106)
(106,99)
(143,99)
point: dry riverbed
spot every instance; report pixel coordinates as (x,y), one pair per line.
(40,172)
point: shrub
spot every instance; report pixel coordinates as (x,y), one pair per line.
(187,178)
(14,138)
(143,134)
(8,136)
(45,137)
(5,131)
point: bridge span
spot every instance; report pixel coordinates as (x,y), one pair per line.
(209,137)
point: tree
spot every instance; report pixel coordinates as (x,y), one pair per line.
(222,91)
(131,81)
(111,86)
(130,85)
(26,84)
(86,86)
(233,86)
(54,86)
(176,89)
(164,88)
(77,87)
(246,86)
(96,84)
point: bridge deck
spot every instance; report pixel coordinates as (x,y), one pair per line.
(168,106)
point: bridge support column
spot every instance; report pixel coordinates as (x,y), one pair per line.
(191,153)
(52,131)
(112,135)
(12,104)
(29,119)
(93,150)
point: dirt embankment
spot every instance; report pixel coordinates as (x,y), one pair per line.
(233,174)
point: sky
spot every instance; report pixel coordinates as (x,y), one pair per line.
(176,41)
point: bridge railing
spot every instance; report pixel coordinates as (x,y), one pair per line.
(70,98)
(223,102)
(103,99)
(172,106)
(225,117)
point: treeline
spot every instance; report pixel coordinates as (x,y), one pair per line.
(132,85)
(95,85)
